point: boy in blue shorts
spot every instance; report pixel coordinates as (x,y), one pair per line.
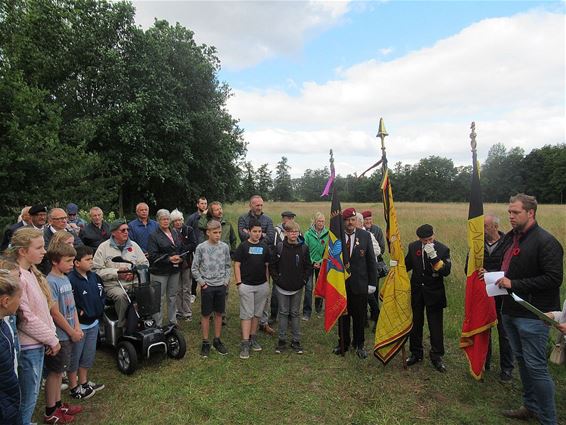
(64,316)
(89,301)
(251,270)
(212,269)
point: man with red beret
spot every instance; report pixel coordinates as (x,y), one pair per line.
(359,259)
(430,262)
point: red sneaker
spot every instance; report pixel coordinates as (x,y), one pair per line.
(58,417)
(71,409)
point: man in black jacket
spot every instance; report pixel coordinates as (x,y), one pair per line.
(360,261)
(430,262)
(494,247)
(97,231)
(533,270)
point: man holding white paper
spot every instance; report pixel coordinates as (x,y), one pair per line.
(533,270)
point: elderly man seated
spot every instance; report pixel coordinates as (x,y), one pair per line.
(119,245)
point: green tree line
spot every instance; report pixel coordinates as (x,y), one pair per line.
(541,173)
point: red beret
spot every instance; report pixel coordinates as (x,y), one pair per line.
(366,214)
(348,212)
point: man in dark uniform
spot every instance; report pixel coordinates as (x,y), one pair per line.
(430,262)
(360,261)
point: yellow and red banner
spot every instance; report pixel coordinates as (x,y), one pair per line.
(396,316)
(479,309)
(331,282)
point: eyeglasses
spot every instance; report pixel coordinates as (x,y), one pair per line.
(123,230)
(71,214)
(58,218)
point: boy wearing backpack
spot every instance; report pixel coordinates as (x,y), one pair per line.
(290,270)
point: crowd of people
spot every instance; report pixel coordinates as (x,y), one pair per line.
(57,271)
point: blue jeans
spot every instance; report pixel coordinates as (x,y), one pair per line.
(528,339)
(30,369)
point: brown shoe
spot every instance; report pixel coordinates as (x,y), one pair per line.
(521,413)
(264,327)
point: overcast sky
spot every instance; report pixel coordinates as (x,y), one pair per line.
(310,76)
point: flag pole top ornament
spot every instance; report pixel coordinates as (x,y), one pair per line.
(382,134)
(473,142)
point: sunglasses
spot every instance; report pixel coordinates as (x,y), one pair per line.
(123,230)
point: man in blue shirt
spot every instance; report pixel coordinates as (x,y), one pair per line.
(142,227)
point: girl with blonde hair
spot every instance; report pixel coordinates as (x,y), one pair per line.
(36,329)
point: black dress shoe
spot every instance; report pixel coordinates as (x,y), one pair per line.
(413,360)
(361,353)
(336,350)
(439,365)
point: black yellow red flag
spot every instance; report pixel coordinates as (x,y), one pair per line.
(480,314)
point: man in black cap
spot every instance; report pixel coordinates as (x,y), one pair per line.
(286,217)
(359,259)
(430,262)
(38,214)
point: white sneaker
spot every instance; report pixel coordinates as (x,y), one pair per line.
(193,298)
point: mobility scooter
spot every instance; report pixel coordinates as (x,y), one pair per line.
(141,337)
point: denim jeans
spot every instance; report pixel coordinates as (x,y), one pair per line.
(528,339)
(289,306)
(30,369)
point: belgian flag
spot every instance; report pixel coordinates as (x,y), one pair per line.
(480,314)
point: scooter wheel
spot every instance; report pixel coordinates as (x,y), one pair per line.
(176,344)
(126,357)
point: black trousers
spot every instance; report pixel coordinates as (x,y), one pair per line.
(434,317)
(505,352)
(357,310)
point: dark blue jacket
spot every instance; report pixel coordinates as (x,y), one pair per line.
(89,296)
(9,386)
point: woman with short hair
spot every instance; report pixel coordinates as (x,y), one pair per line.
(164,247)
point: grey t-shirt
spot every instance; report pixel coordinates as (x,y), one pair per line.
(211,264)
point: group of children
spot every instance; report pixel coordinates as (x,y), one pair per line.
(50,327)
(254,261)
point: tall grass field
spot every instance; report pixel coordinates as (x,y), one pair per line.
(319,387)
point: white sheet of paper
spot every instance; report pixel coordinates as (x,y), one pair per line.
(490,287)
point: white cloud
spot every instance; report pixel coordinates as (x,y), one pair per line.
(386,51)
(507,74)
(246,32)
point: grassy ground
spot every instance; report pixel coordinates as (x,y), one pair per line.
(319,387)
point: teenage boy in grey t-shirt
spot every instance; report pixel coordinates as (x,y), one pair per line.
(212,269)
